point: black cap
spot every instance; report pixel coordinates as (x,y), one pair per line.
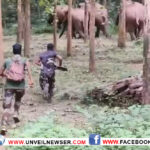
(50,46)
(17,49)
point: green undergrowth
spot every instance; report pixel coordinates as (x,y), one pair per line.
(11,29)
(47,127)
(133,122)
(42,28)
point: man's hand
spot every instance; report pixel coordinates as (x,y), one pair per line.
(59,58)
(2,75)
(29,75)
(31,84)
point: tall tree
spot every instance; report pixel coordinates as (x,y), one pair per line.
(105,3)
(27,28)
(4,11)
(122,26)
(92,37)
(55,24)
(38,8)
(86,18)
(147,16)
(20,21)
(69,33)
(146,66)
(1,37)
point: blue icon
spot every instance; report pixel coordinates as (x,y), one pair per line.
(94,139)
(2,140)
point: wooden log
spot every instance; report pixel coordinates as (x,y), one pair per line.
(135,85)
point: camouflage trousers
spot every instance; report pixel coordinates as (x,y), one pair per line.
(12,99)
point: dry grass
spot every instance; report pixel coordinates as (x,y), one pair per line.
(112,63)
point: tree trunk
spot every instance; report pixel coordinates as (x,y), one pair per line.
(55,25)
(146,66)
(105,3)
(1,38)
(92,37)
(147,16)
(122,26)
(86,18)
(4,11)
(27,29)
(69,36)
(20,22)
(142,1)
(146,70)
(23,18)
(38,8)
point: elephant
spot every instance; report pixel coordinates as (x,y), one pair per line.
(61,12)
(101,18)
(101,21)
(135,17)
(77,22)
(62,16)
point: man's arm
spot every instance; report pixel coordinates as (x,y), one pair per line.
(29,74)
(38,62)
(2,69)
(59,58)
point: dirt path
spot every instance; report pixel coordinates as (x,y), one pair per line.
(34,107)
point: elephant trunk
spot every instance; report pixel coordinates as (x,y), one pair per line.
(117,20)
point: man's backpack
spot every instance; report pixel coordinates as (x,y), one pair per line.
(16,71)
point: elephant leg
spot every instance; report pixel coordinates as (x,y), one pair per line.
(73,33)
(59,25)
(136,33)
(104,30)
(141,29)
(63,30)
(80,29)
(81,34)
(97,32)
(132,35)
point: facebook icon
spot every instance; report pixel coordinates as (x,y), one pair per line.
(94,139)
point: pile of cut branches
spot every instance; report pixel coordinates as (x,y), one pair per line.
(123,93)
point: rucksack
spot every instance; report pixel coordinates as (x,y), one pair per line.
(15,72)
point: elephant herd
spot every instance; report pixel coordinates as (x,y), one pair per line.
(134,13)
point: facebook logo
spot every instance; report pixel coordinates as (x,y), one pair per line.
(94,139)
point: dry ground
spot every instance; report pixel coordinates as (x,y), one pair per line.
(112,64)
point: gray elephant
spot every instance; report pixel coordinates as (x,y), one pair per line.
(77,20)
(135,17)
(101,18)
